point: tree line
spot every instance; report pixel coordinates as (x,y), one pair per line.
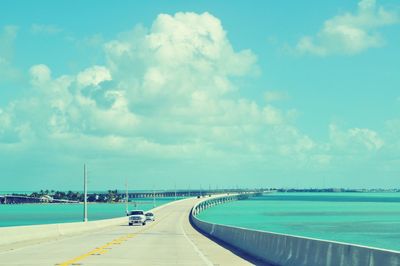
(109,196)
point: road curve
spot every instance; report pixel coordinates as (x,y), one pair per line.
(169,240)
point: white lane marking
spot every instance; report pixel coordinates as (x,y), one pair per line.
(196,249)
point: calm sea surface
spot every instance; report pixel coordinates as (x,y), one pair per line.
(371,219)
(30,214)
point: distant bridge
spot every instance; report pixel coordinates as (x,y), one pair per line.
(181,193)
(18,199)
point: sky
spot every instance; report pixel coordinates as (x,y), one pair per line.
(198,94)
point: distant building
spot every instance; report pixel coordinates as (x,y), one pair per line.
(46,199)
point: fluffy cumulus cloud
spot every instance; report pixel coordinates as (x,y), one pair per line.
(180,55)
(168,93)
(93,76)
(350,33)
(165,91)
(40,74)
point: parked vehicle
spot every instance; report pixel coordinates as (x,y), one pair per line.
(137,217)
(149,216)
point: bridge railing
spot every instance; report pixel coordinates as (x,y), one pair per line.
(283,249)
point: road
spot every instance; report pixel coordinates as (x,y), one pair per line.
(169,240)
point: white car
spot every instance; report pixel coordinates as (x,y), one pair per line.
(149,216)
(137,217)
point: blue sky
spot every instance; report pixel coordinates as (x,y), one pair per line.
(199,94)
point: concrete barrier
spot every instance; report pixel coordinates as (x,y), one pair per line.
(282,249)
(18,234)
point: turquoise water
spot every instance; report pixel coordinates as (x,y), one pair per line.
(30,214)
(371,219)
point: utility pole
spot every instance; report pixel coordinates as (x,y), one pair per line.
(175,191)
(85,219)
(154,198)
(126,196)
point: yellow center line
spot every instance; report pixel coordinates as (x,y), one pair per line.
(105,248)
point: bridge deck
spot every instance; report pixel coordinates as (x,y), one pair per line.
(170,240)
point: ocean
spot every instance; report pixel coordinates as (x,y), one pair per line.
(31,214)
(371,219)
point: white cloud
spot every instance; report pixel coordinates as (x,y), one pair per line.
(273,96)
(272,115)
(355,139)
(185,44)
(392,133)
(350,33)
(115,120)
(7,39)
(93,76)
(40,74)
(169,93)
(12,133)
(322,159)
(45,29)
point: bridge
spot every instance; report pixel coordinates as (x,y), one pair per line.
(176,237)
(17,199)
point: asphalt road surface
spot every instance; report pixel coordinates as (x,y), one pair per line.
(169,240)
